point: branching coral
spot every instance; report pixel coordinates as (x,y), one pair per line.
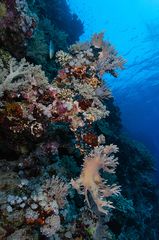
(20,74)
(98,54)
(81,72)
(62,58)
(91,181)
(57,190)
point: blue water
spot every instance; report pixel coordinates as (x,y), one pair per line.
(133,28)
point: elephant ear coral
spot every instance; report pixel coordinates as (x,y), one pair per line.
(90,180)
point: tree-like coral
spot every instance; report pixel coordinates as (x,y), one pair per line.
(20,74)
(91,181)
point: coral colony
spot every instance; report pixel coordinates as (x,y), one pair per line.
(66,169)
(29,104)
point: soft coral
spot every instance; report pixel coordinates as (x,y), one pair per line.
(90,180)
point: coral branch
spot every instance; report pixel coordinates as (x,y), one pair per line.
(20,74)
(91,181)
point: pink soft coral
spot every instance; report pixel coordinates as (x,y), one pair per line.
(90,180)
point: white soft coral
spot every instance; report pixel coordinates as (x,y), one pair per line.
(20,74)
(90,180)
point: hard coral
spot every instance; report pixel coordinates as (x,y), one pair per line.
(91,181)
(81,73)
(21,91)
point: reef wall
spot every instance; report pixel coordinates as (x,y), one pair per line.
(66,169)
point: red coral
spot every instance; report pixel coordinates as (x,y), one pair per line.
(91,139)
(84,104)
(79,72)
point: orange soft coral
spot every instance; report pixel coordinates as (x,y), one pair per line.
(90,180)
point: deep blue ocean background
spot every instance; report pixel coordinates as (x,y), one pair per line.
(133,28)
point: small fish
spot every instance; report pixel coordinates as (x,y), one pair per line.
(51,49)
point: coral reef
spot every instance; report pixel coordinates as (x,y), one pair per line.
(53,26)
(30,105)
(54,132)
(32,25)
